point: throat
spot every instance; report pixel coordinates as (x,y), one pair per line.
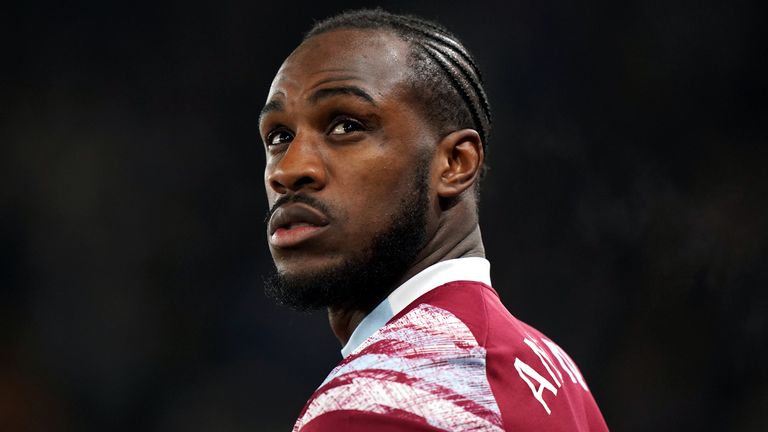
(344,322)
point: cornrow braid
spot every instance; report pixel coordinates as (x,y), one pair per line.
(445,79)
(445,63)
(439,34)
(435,42)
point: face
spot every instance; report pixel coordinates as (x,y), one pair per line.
(347,170)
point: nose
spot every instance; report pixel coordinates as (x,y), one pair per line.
(301,166)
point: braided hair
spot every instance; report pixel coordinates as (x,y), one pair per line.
(445,80)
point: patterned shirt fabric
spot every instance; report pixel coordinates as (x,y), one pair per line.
(442,353)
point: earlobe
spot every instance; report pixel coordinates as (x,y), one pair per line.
(461,157)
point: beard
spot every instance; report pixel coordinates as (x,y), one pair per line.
(362,282)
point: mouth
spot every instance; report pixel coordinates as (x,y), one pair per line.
(294,223)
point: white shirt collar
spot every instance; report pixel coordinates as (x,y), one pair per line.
(464,269)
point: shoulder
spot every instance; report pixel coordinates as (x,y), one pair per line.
(351,420)
(536,383)
(424,367)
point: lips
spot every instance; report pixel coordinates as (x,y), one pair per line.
(293,223)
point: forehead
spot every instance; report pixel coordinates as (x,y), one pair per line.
(377,59)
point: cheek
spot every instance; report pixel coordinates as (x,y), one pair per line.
(378,195)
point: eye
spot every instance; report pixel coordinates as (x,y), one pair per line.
(278,137)
(346,126)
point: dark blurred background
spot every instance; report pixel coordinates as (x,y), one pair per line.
(624,214)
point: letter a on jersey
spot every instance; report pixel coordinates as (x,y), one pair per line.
(527,373)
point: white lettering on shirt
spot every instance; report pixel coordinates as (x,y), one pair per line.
(566,363)
(527,373)
(545,360)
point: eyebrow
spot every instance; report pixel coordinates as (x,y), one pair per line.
(273,105)
(319,95)
(329,92)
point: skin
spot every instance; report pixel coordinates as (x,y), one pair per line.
(339,127)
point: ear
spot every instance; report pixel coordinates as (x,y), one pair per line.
(459,159)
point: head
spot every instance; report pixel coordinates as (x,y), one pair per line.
(374,130)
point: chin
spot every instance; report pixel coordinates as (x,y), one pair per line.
(306,266)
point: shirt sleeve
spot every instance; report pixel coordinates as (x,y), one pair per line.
(360,421)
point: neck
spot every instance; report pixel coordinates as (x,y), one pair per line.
(448,242)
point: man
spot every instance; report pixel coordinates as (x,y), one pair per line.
(375,130)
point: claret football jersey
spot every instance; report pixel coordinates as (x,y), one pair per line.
(442,353)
